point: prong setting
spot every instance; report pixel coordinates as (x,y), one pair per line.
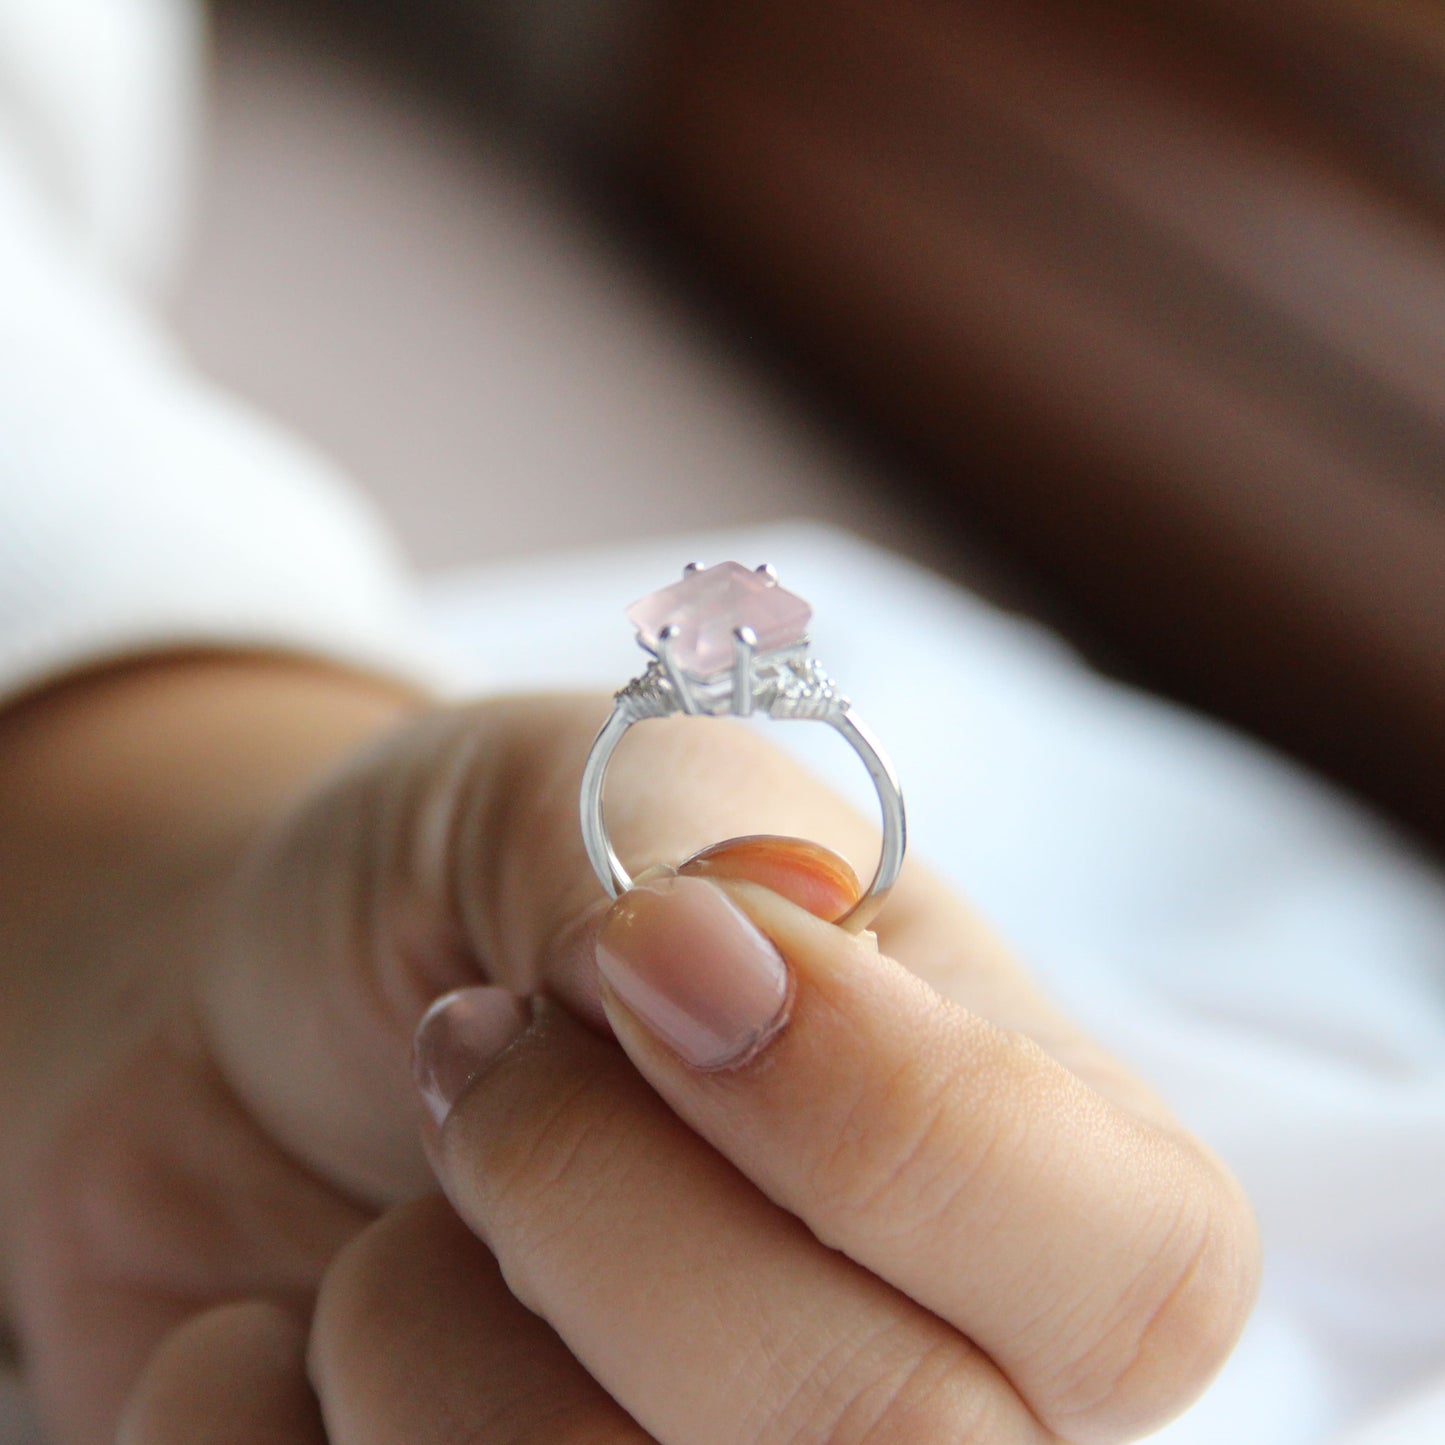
(675,675)
(707,605)
(747,645)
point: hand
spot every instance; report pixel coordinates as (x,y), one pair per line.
(821,1202)
(232,887)
(254,1113)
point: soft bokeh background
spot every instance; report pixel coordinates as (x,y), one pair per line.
(383,266)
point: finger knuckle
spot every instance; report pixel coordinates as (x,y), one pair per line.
(1163,1336)
(909,1148)
(523,1167)
(533,1177)
(939,1394)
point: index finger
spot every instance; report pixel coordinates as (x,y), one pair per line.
(1104,1263)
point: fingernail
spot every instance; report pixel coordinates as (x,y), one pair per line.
(813,877)
(695,970)
(458,1036)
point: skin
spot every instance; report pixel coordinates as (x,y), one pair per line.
(927,1209)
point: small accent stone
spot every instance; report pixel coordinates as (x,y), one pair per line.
(706,607)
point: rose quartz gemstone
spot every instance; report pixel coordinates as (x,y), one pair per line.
(707,605)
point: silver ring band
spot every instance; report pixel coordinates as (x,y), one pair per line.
(784,681)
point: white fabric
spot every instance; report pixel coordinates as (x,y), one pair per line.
(100,100)
(1265,952)
(138,508)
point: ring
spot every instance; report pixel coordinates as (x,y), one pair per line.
(728,641)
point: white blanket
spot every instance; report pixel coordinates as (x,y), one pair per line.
(1270,955)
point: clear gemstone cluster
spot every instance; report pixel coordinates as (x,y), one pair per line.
(803,690)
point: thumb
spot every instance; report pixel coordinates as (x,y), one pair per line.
(447,855)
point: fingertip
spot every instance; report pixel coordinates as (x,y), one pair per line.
(687,962)
(231,1374)
(805,873)
(458,1037)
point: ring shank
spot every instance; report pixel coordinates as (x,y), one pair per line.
(616,879)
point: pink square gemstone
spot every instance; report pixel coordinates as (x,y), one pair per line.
(708,605)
